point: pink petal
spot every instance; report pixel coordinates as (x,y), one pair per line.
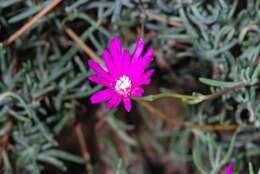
(114,102)
(99,80)
(145,78)
(98,69)
(149,53)
(127,104)
(126,61)
(115,47)
(229,168)
(138,50)
(147,58)
(138,92)
(146,81)
(116,52)
(101,96)
(140,65)
(109,63)
(148,73)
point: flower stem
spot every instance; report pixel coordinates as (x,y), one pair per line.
(194,99)
(225,91)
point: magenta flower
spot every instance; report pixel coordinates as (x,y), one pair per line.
(229,168)
(124,75)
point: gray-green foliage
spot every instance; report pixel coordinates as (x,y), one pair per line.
(43,79)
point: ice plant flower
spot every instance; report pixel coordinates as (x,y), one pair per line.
(123,76)
(229,168)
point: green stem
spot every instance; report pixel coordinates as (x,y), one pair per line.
(192,99)
(168,94)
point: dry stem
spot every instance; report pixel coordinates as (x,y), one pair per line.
(83,146)
(162,19)
(173,121)
(82,45)
(31,22)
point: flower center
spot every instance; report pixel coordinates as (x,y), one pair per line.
(123,84)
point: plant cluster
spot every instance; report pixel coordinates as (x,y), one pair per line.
(199,114)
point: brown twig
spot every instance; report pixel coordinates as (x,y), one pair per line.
(30,23)
(171,120)
(142,17)
(196,99)
(162,19)
(83,147)
(5,138)
(82,45)
(4,141)
(217,127)
(156,112)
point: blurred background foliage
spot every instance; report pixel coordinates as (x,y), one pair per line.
(47,124)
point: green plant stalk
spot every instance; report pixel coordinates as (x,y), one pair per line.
(192,99)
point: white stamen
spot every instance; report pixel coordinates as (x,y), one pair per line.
(123,84)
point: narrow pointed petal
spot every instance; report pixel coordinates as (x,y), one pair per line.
(127,104)
(145,78)
(101,96)
(98,69)
(149,53)
(119,99)
(109,63)
(116,52)
(146,81)
(138,92)
(138,50)
(114,102)
(147,58)
(148,73)
(139,68)
(99,80)
(115,48)
(140,65)
(229,168)
(126,61)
